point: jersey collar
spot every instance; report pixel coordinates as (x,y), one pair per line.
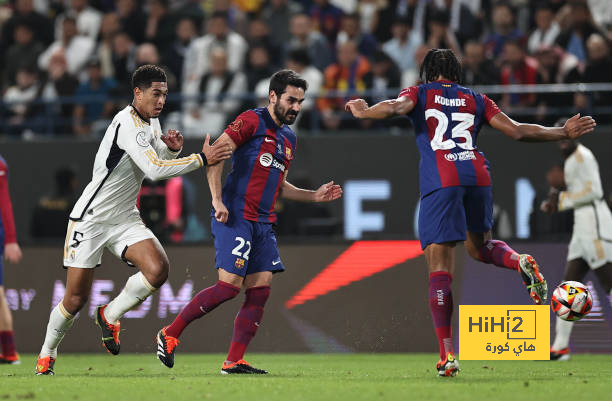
(144,120)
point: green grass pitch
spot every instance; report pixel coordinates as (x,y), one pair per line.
(306,377)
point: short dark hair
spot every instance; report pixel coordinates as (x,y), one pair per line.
(147,74)
(281,79)
(440,62)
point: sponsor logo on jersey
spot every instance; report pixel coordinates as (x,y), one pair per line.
(268,160)
(461,156)
(236,126)
(141,139)
(239,263)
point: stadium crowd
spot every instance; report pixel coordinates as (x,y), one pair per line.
(66,63)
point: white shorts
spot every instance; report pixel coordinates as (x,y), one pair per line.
(594,251)
(85,241)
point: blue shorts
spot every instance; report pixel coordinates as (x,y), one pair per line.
(447,213)
(245,247)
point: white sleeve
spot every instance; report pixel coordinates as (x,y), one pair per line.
(589,191)
(137,146)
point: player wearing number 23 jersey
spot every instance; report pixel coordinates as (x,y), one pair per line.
(456,198)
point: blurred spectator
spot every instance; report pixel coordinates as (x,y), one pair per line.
(124,60)
(160,28)
(277,14)
(351,75)
(132,19)
(147,53)
(219,35)
(477,68)
(93,107)
(24,13)
(109,28)
(504,29)
(403,45)
(351,30)
(520,69)
(368,11)
(299,62)
(554,67)
(326,19)
(21,112)
(88,19)
(546,31)
(386,77)
(175,57)
(304,37)
(76,48)
(581,27)
(60,83)
(259,35)
(220,90)
(440,34)
(53,210)
(602,12)
(259,66)
(24,51)
(467,20)
(597,69)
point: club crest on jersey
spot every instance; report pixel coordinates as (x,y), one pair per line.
(236,126)
(288,152)
(141,139)
(239,263)
(461,156)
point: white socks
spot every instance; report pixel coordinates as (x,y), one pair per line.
(136,290)
(563,330)
(59,323)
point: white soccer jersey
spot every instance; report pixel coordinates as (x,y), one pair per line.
(130,151)
(592,217)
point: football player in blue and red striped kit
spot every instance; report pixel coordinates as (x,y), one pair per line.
(455,185)
(10,249)
(243,215)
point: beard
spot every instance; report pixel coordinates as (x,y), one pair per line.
(284,116)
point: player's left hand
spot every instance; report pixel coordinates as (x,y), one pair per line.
(328,192)
(173,140)
(12,252)
(577,126)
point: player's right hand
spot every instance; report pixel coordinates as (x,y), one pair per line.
(577,126)
(356,106)
(221,212)
(12,252)
(216,152)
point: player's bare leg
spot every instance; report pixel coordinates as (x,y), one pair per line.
(483,248)
(149,256)
(441,262)
(203,303)
(247,322)
(78,287)
(9,354)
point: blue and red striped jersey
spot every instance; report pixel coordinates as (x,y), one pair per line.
(447,118)
(264,152)
(7,221)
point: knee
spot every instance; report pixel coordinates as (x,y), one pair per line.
(158,273)
(74,302)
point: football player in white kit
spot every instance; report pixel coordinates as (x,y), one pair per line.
(591,243)
(105,216)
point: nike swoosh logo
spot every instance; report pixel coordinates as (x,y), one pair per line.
(275,262)
(202,309)
(268,140)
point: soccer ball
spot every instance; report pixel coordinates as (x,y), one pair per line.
(571,300)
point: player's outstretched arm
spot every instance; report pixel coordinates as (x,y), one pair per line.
(385,109)
(213,175)
(325,193)
(574,128)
